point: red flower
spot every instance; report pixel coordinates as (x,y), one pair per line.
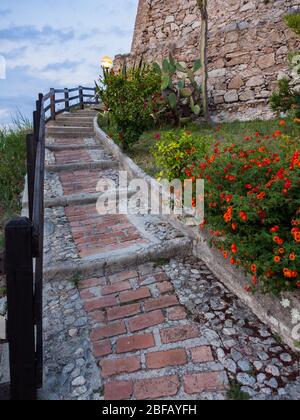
(254,268)
(234,248)
(243,216)
(282,123)
(277,134)
(157,136)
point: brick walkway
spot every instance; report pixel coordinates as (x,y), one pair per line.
(115,322)
(143,343)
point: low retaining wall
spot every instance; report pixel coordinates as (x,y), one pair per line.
(268,308)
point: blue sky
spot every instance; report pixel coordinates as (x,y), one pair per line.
(58,43)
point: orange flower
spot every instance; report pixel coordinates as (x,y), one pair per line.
(277,134)
(234,226)
(278,240)
(277,259)
(243,216)
(292,256)
(282,123)
(254,268)
(234,248)
(281,251)
(274,229)
(228,214)
(261,195)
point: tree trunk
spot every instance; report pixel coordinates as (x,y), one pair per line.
(203,49)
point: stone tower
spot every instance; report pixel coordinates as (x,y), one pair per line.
(248,47)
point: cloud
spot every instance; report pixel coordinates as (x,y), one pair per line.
(66,52)
(32,33)
(4,113)
(4,12)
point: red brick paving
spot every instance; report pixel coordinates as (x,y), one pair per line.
(81,181)
(95,234)
(72,156)
(144,345)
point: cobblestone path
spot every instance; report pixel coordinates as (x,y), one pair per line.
(129,314)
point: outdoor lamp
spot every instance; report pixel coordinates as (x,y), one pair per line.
(106,62)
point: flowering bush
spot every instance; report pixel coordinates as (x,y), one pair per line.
(131,97)
(174,151)
(252,207)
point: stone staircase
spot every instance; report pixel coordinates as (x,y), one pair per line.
(128,312)
(71,125)
(75,162)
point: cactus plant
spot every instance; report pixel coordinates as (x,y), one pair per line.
(182,93)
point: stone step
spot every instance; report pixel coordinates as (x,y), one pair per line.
(70,147)
(69,132)
(85,113)
(103,164)
(71,122)
(117,260)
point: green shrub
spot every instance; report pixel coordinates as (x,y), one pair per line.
(174,151)
(285,99)
(252,207)
(12,172)
(293,21)
(131,97)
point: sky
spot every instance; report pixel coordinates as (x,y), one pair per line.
(57,44)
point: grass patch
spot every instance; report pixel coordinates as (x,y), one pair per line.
(236,394)
(233,132)
(12,170)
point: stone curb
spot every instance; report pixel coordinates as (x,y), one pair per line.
(119,261)
(267,308)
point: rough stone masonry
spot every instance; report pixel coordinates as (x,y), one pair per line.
(247,51)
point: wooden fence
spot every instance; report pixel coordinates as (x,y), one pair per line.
(23,257)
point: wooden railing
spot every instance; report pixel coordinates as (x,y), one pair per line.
(63,100)
(23,265)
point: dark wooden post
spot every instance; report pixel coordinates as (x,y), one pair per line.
(96,96)
(67,101)
(20,305)
(52,103)
(31,154)
(81,97)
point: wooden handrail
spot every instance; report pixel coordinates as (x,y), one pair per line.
(82,99)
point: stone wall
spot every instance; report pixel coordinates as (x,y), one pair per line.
(248,47)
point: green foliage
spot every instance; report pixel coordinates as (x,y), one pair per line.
(132,98)
(285,99)
(183,93)
(236,394)
(12,171)
(293,21)
(252,207)
(177,150)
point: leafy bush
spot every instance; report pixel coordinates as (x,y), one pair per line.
(132,98)
(286,99)
(174,151)
(293,21)
(12,171)
(182,94)
(252,207)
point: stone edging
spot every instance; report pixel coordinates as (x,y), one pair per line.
(266,307)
